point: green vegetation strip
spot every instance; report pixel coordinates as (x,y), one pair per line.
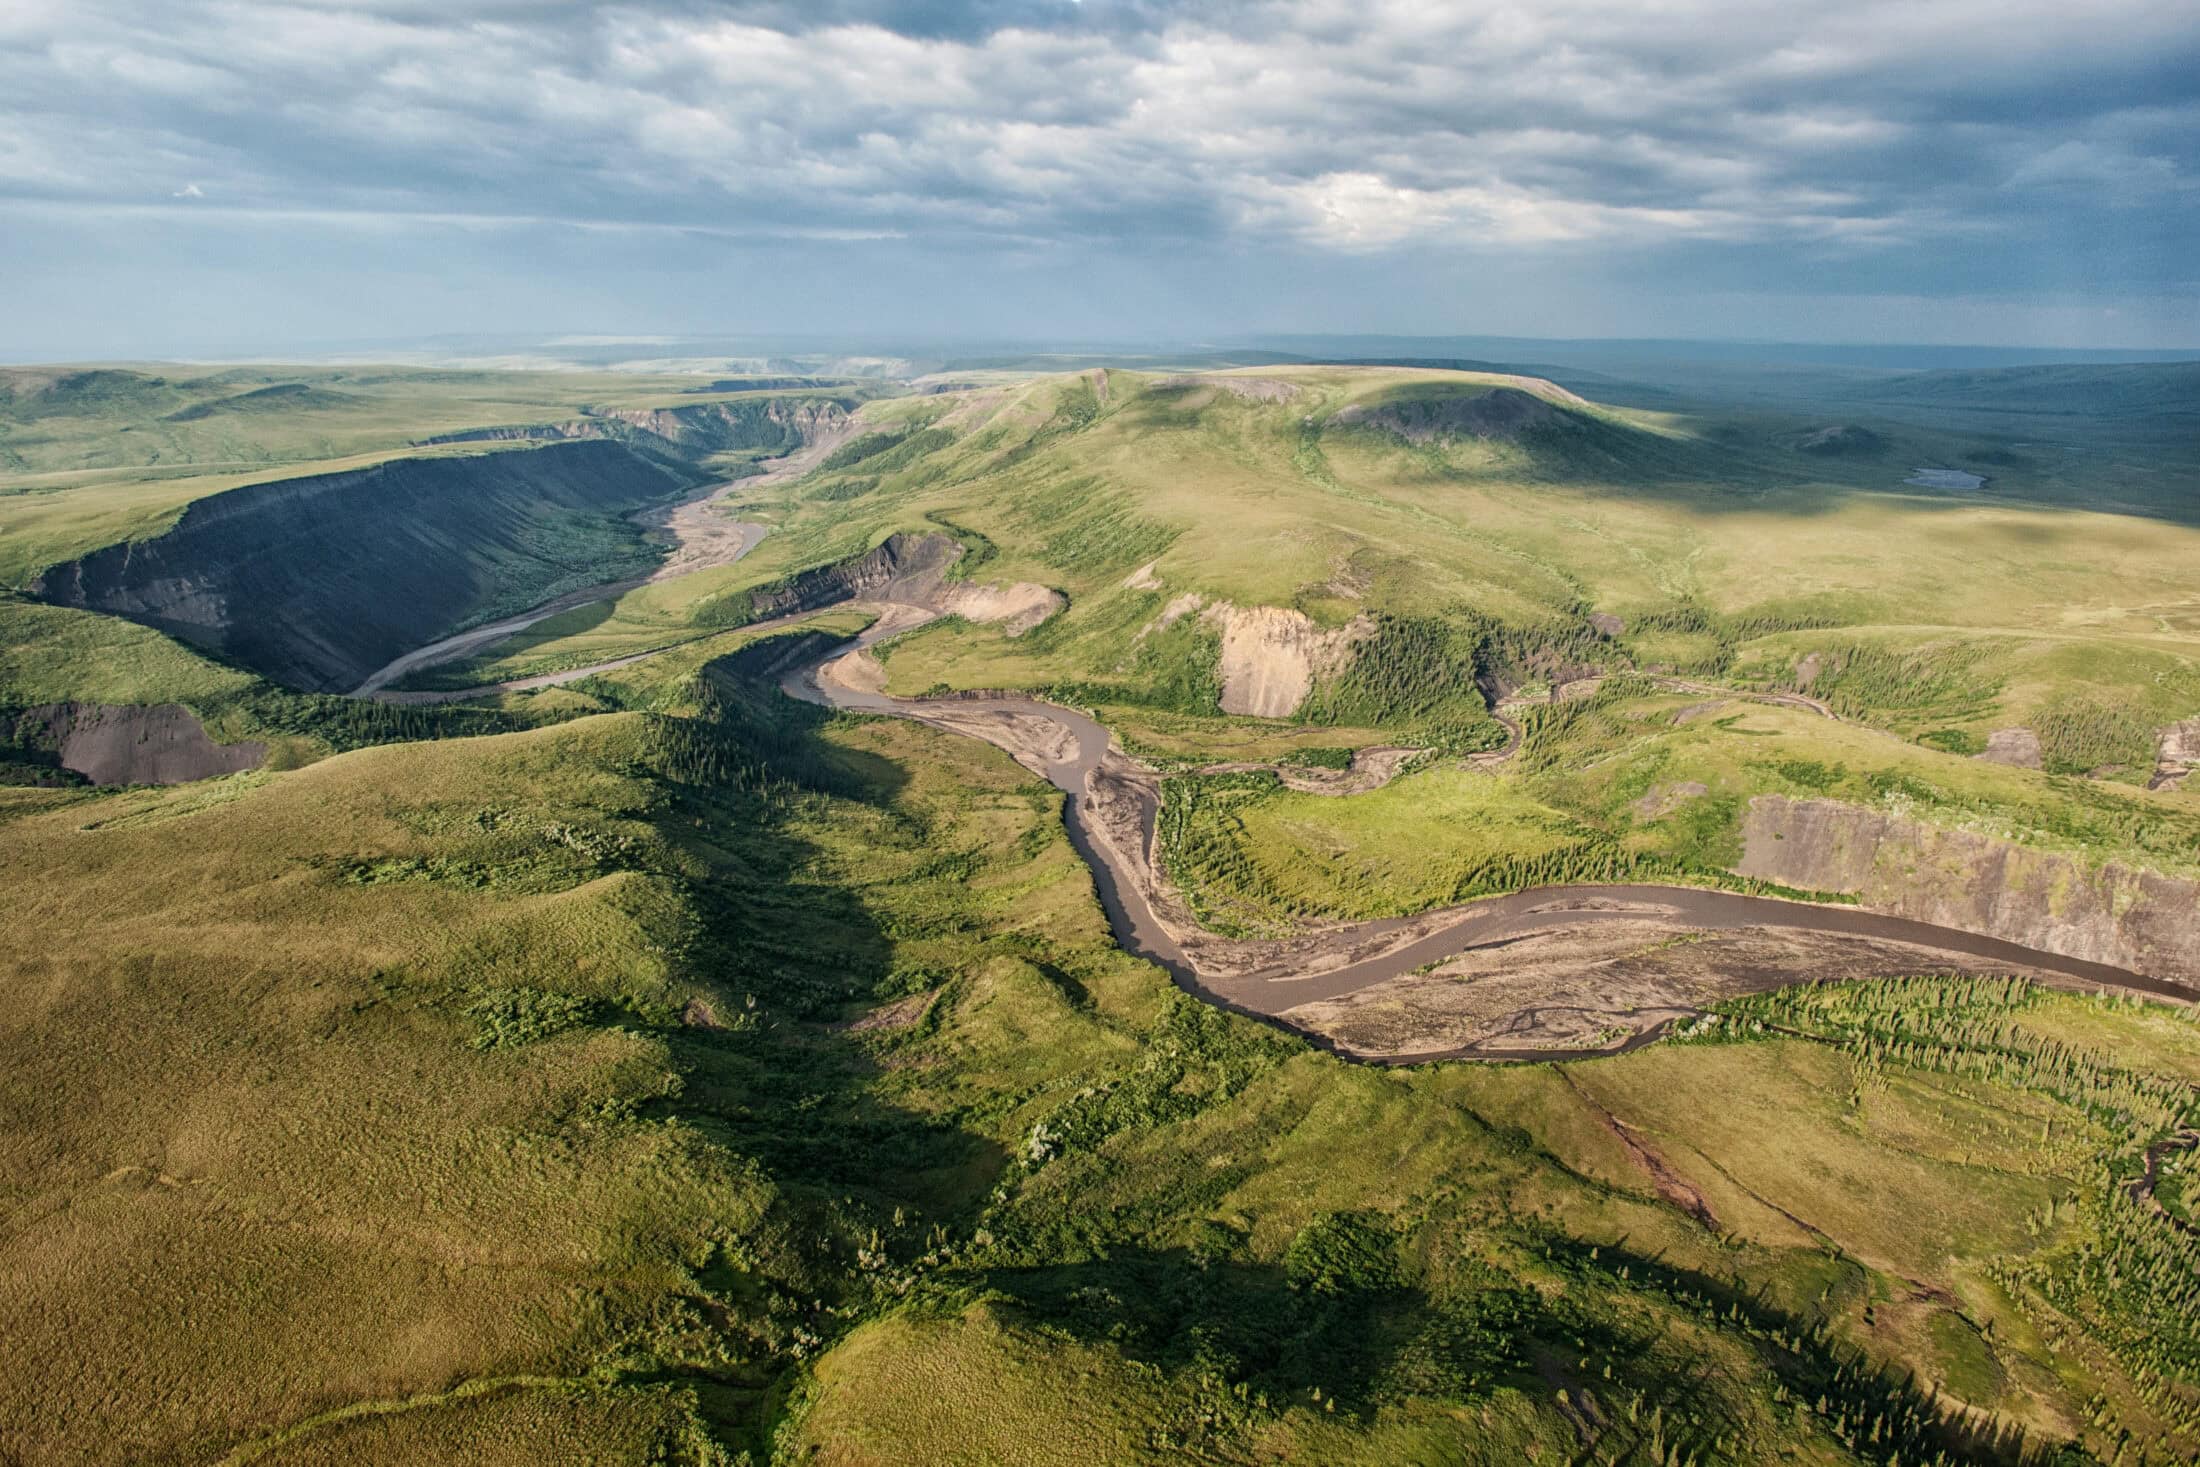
(470,1390)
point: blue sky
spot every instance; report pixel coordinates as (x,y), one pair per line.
(224,175)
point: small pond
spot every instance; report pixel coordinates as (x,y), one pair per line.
(1946,479)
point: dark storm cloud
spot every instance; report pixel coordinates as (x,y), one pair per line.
(1900,133)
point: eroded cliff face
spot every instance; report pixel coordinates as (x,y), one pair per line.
(909,571)
(775,425)
(317,581)
(116,745)
(907,568)
(1271,656)
(2133,919)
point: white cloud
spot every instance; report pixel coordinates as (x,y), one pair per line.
(2092,166)
(1347,125)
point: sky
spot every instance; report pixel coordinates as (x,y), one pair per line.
(207,176)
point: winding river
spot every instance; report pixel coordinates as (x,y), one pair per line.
(1076,760)
(1111,806)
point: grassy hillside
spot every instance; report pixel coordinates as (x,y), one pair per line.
(653,1069)
(475,1093)
(97,455)
(1318,489)
(1343,492)
(1475,533)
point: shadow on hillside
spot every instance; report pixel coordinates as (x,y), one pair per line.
(1286,1332)
(1710,457)
(786,951)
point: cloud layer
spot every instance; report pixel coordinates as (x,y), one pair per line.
(2020,150)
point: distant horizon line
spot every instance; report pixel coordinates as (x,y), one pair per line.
(552,344)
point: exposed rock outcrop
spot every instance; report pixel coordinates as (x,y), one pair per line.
(775,424)
(318,581)
(900,568)
(1498,413)
(910,570)
(2176,755)
(2133,919)
(116,745)
(778,424)
(1272,654)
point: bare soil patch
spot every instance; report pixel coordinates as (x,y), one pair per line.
(902,1013)
(1016,608)
(1272,654)
(1670,1184)
(2017,747)
(121,745)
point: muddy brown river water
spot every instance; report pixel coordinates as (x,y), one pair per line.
(1110,809)
(1074,762)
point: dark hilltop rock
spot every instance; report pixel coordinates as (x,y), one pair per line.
(1499,413)
(317,581)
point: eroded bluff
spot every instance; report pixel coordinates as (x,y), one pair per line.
(775,424)
(317,581)
(111,744)
(2133,919)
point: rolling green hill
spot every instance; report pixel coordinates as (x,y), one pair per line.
(1712,544)
(657,1069)
(93,456)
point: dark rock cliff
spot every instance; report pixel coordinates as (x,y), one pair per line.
(315,582)
(910,565)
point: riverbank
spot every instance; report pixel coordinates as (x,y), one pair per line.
(1390,991)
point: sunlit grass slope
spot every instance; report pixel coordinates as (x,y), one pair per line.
(1404,499)
(457,1100)
(1722,545)
(94,456)
(1642,786)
